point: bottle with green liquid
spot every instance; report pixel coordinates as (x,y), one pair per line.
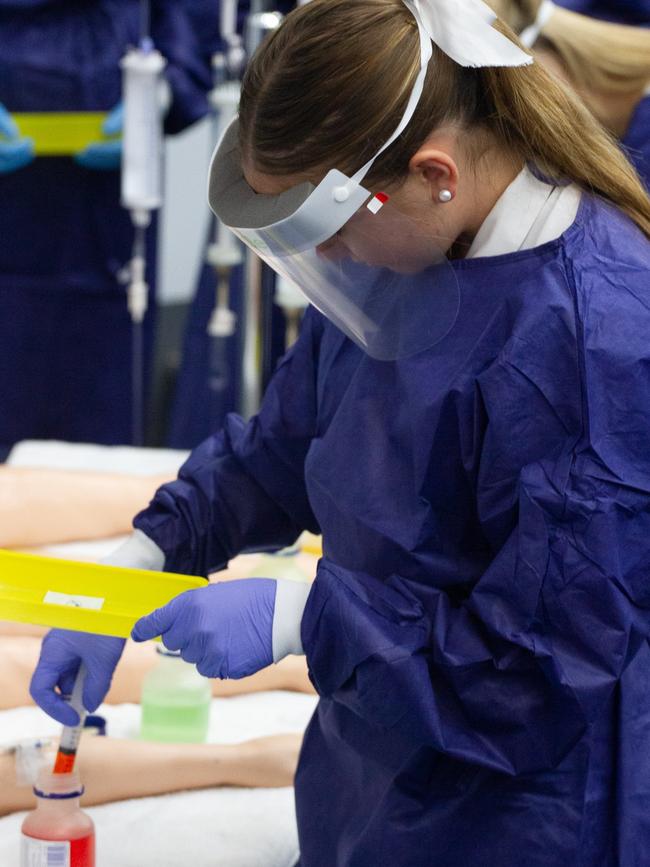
(175,701)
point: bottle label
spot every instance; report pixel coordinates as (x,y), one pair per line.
(94,603)
(44,853)
(79,852)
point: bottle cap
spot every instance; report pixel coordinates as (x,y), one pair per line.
(58,787)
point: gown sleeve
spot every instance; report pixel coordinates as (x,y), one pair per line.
(176,34)
(244,488)
(512,676)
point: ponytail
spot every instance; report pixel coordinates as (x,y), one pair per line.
(552,128)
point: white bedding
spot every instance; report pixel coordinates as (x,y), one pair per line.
(224,827)
(54,454)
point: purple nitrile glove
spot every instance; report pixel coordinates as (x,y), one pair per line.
(15,152)
(105,155)
(225,629)
(62,653)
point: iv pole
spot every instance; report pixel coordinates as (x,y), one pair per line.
(141,182)
(257,301)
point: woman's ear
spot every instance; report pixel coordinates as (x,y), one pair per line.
(438,170)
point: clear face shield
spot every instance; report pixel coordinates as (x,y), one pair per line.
(375,272)
(381,281)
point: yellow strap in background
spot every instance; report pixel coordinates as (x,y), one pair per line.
(89,597)
(57,134)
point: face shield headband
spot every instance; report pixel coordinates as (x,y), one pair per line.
(368,268)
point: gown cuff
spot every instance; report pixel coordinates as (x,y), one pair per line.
(138,552)
(290,601)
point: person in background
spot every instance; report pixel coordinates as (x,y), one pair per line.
(65,338)
(607,62)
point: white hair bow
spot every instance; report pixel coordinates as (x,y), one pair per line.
(463,30)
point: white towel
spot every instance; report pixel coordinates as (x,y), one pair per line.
(224,827)
(55,454)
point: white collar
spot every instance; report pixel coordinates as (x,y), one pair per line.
(529,213)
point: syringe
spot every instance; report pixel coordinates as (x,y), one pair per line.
(71,735)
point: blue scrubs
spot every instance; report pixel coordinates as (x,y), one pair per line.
(207,387)
(208,384)
(477,631)
(65,361)
(634,12)
(637,140)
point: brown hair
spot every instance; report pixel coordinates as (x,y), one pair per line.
(329,87)
(598,55)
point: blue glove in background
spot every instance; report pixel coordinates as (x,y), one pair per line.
(62,652)
(15,152)
(105,156)
(225,629)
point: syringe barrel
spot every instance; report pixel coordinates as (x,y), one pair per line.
(142,140)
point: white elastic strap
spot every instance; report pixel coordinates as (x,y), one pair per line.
(463,30)
(426,50)
(138,552)
(531,34)
(290,601)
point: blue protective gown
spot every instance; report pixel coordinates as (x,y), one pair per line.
(208,383)
(65,360)
(477,630)
(634,12)
(637,140)
(206,392)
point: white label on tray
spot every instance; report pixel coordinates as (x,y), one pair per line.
(74,601)
(44,853)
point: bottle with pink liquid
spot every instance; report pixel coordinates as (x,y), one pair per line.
(58,833)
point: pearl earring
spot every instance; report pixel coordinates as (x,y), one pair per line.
(445,196)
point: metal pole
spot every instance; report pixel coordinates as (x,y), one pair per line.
(256,314)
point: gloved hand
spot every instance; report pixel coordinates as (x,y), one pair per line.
(225,629)
(62,652)
(106,155)
(15,152)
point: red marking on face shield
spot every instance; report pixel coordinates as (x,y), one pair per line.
(377,202)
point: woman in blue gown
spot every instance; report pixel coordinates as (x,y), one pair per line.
(477,629)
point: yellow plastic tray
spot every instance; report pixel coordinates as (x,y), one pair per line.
(58,134)
(88,597)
